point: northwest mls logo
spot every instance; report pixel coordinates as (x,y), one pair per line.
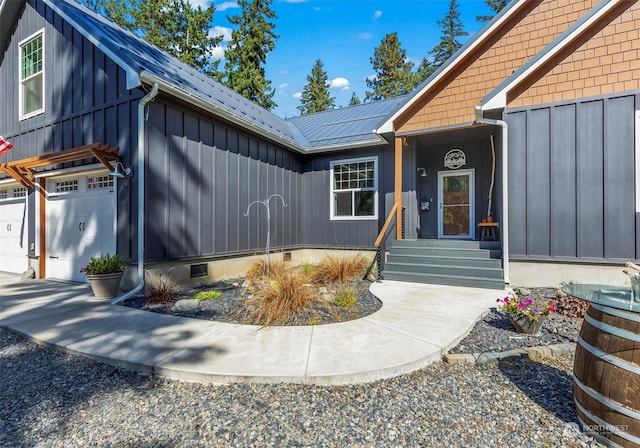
(571,429)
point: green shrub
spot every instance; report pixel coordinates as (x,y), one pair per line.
(104,264)
(207,295)
(345,298)
(307,268)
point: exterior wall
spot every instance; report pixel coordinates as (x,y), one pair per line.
(431,157)
(453,101)
(572,180)
(85,99)
(202,175)
(605,60)
(318,228)
(539,273)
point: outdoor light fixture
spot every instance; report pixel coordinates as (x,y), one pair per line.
(405,141)
(422,172)
(126,172)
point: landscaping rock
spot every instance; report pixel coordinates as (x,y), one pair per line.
(187,305)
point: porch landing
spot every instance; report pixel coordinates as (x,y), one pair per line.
(475,264)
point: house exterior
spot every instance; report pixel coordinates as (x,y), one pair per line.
(535,122)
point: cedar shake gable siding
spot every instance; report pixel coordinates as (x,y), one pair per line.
(603,60)
(452,101)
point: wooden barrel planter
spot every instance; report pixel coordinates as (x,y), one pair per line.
(606,375)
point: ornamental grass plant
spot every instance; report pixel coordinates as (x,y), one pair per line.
(340,269)
(282,298)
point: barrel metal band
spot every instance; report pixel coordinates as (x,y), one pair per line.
(629,315)
(612,330)
(609,358)
(606,401)
(610,428)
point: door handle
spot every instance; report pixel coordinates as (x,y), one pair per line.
(51,256)
(80,226)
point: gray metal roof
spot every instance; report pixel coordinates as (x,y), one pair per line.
(143,62)
(347,126)
(138,56)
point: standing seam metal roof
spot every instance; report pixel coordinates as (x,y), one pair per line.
(334,128)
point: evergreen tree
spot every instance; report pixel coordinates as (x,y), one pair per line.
(394,75)
(315,95)
(425,69)
(247,52)
(452,29)
(354,101)
(171,25)
(496,6)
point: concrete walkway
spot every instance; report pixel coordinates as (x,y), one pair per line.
(416,325)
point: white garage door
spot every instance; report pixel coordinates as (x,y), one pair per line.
(80,223)
(13,228)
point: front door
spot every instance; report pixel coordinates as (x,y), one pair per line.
(455,200)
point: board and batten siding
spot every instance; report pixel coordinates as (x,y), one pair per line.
(85,101)
(572,180)
(201,177)
(319,230)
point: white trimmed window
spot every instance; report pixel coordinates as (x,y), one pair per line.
(354,188)
(31,77)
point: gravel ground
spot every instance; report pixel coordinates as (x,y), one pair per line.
(494,333)
(51,399)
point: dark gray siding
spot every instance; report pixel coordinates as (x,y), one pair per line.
(430,155)
(85,101)
(572,180)
(318,228)
(202,175)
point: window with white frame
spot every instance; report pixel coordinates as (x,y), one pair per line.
(32,75)
(354,188)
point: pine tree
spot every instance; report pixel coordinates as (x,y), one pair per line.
(354,101)
(496,6)
(394,75)
(171,25)
(425,69)
(315,95)
(452,29)
(247,52)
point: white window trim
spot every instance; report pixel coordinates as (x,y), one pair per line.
(332,216)
(20,45)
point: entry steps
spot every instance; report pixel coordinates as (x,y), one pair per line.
(445,262)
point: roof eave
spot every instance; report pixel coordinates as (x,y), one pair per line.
(216,110)
(497,99)
(442,72)
(347,146)
(132,72)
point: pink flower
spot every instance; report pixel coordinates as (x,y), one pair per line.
(522,305)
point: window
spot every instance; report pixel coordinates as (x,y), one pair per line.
(66,185)
(99,182)
(32,76)
(354,189)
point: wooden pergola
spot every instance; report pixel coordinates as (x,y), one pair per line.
(24,170)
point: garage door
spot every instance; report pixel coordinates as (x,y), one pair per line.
(13,228)
(80,215)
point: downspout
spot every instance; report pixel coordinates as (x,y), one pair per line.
(141,200)
(479,118)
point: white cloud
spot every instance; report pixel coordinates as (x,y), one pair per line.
(221,31)
(204,4)
(282,87)
(297,95)
(339,83)
(377,14)
(217,52)
(295,1)
(226,5)
(365,36)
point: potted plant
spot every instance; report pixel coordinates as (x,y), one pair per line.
(525,315)
(104,274)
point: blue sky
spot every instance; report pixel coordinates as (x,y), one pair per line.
(343,34)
